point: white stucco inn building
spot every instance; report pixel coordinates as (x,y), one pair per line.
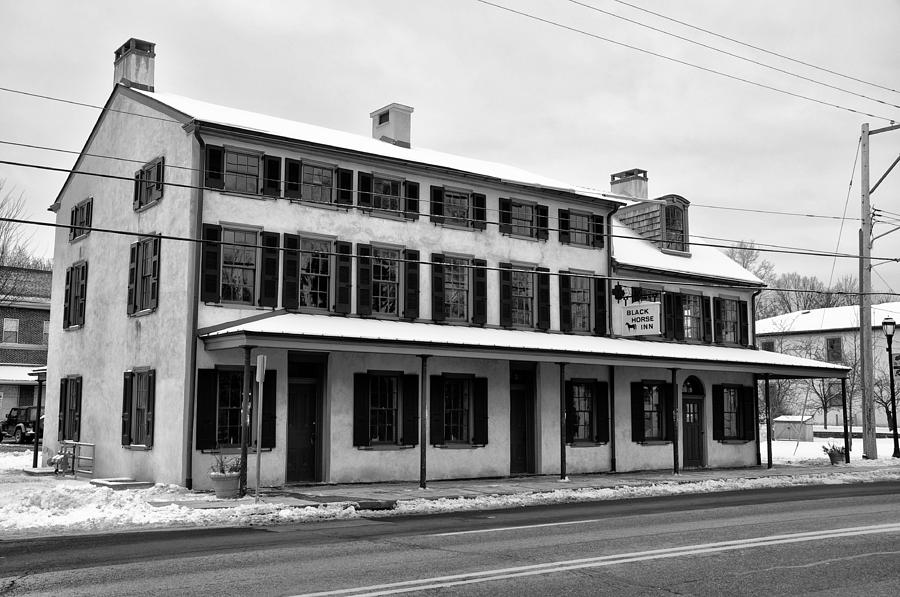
(423,315)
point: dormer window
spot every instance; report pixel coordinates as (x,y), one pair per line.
(674,234)
(384,118)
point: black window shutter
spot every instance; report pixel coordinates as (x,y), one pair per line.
(76,411)
(411,277)
(82,293)
(127,394)
(215,167)
(543,298)
(480,411)
(268,292)
(271,176)
(541,217)
(290,275)
(73,218)
(563,224)
(154,273)
(479,211)
(669,314)
(437,287)
(597,231)
(669,408)
(571,414)
(748,412)
(718,411)
(151,406)
(361,409)
(636,294)
(743,320)
(678,314)
(133,251)
(600,307)
(270,386)
(707,320)
(207,406)
(410,432)
(637,412)
(67,299)
(345,186)
(411,203)
(344,283)
(505,216)
(63,400)
(479,291)
(363,279)
(717,317)
(89,213)
(505,295)
(138,187)
(437,204)
(160,178)
(209,291)
(565,302)
(293,172)
(436,427)
(364,184)
(601,410)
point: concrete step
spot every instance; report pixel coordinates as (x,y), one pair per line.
(122,483)
(39,471)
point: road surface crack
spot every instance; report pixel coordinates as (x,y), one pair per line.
(820,562)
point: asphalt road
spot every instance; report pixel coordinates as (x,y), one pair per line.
(823,540)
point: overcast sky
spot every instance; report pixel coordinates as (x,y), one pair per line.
(494,85)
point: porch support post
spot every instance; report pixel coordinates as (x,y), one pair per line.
(562,422)
(423,420)
(756,419)
(245,418)
(768,425)
(675,396)
(37,423)
(846,428)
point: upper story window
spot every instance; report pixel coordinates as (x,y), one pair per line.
(692,313)
(149,183)
(318,183)
(10,330)
(459,289)
(242,171)
(727,321)
(241,266)
(239,261)
(80,219)
(386,195)
(315,273)
(675,238)
(75,294)
(834,352)
(579,228)
(581,304)
(523,218)
(385,281)
(143,275)
(458,207)
(524,297)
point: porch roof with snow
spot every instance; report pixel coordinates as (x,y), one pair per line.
(326,333)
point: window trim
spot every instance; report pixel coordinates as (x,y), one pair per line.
(470,283)
(75,297)
(225,227)
(130,398)
(406,411)
(303,198)
(332,264)
(136,275)
(70,429)
(149,184)
(233,149)
(597,425)
(453,221)
(80,219)
(400,282)
(393,214)
(592,295)
(5,330)
(840,349)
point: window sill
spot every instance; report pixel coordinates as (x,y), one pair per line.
(79,237)
(244,194)
(581,246)
(142,312)
(675,252)
(734,441)
(655,442)
(386,447)
(384,214)
(586,444)
(73,327)
(18,346)
(147,206)
(524,237)
(231,451)
(138,448)
(459,446)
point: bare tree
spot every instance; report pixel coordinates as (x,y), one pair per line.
(15,257)
(882,396)
(746,254)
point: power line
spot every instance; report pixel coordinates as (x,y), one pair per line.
(85,105)
(846,203)
(682,62)
(757,48)
(400,212)
(732,54)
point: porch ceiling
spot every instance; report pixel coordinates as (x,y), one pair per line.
(301,331)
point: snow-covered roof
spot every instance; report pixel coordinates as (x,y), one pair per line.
(793,419)
(412,338)
(821,320)
(291,129)
(17,374)
(631,249)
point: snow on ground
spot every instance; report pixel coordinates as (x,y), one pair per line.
(31,506)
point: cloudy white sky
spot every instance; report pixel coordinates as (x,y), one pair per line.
(494,85)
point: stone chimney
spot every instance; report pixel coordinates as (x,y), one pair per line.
(631,183)
(134,64)
(391,124)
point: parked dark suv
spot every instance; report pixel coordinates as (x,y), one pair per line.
(20,424)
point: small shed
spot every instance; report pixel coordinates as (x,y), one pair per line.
(793,428)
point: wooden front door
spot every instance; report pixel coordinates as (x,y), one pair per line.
(521,421)
(301,431)
(693,432)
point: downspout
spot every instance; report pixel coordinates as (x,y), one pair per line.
(194,298)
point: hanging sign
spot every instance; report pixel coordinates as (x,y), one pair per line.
(639,319)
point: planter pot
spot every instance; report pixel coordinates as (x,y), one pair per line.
(836,458)
(227,485)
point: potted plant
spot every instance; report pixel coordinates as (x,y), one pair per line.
(225,474)
(835,453)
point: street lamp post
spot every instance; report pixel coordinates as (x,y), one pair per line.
(888,326)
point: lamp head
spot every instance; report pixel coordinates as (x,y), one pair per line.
(888,326)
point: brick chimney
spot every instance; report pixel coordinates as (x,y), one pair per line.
(631,183)
(391,124)
(134,64)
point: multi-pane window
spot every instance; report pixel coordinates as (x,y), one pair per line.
(580,411)
(580,232)
(315,273)
(456,289)
(731,424)
(149,184)
(74,300)
(318,183)
(80,218)
(767,345)
(10,330)
(456,207)
(228,411)
(522,219)
(242,172)
(45,337)
(834,352)
(523,292)
(654,417)
(728,322)
(675,228)
(580,301)
(239,256)
(692,310)
(385,281)
(386,194)
(138,406)
(143,275)
(219,398)
(384,394)
(457,410)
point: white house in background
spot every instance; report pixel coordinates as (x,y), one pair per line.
(424,315)
(832,335)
